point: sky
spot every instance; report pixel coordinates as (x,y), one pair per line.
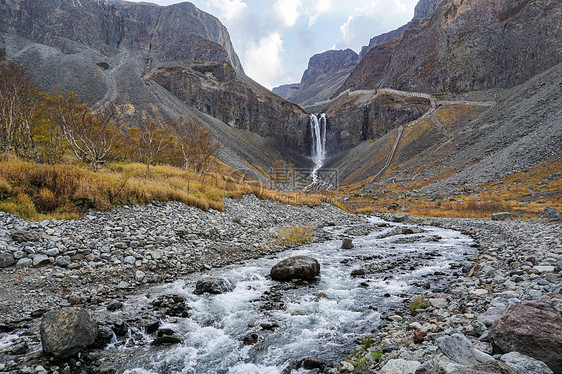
(274,39)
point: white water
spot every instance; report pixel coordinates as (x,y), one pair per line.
(321,319)
(318,153)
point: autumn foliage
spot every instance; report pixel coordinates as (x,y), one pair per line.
(47,127)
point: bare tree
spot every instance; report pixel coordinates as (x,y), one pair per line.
(150,141)
(195,143)
(19,100)
(90,136)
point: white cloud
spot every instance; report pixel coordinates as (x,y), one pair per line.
(288,11)
(368,20)
(319,7)
(229,9)
(264,59)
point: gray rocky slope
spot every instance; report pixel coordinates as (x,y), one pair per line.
(116,52)
(521,129)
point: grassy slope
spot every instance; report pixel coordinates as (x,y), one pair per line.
(65,191)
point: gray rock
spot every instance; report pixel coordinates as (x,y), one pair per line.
(490,367)
(67,331)
(504,216)
(298,267)
(438,303)
(140,276)
(40,260)
(490,316)
(62,261)
(551,214)
(533,328)
(24,262)
(525,364)
(114,305)
(213,285)
(400,366)
(6,259)
(347,243)
(400,217)
(22,236)
(460,350)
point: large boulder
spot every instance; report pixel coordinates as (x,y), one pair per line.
(212,285)
(6,259)
(67,331)
(533,328)
(490,367)
(298,267)
(460,350)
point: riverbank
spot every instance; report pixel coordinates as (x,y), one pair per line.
(106,256)
(517,260)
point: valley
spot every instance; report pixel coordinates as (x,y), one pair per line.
(151,192)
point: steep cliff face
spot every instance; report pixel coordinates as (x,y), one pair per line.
(234,103)
(326,72)
(117,52)
(179,32)
(424,9)
(369,116)
(467,45)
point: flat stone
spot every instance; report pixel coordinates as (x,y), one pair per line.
(479,292)
(399,366)
(439,303)
(40,260)
(490,316)
(24,262)
(460,350)
(525,364)
(504,216)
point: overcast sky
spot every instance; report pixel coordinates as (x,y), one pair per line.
(275,38)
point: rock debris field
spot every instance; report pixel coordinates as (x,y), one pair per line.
(501,316)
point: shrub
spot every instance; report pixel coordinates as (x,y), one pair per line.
(419,303)
(294,235)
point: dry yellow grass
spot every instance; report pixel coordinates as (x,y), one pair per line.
(519,193)
(63,191)
(295,234)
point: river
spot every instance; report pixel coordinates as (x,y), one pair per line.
(320,319)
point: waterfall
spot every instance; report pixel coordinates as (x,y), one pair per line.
(318,152)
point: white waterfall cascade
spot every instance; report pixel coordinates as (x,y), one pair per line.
(318,132)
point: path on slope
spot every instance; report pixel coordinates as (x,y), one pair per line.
(430,115)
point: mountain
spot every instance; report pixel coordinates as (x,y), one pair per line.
(326,72)
(467,96)
(424,9)
(466,45)
(152,60)
(287,90)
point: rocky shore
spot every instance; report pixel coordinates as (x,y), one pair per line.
(98,260)
(516,277)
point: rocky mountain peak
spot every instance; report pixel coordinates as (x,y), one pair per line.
(466,45)
(425,8)
(326,63)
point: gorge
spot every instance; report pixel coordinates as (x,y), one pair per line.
(432,174)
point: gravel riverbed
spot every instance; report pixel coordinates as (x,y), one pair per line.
(103,257)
